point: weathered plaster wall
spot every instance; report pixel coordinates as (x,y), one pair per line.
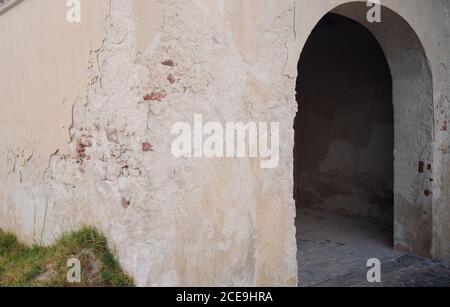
(46,64)
(441,206)
(171,221)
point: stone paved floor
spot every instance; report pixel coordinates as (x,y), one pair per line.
(333,251)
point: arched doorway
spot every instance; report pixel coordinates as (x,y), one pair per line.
(363,147)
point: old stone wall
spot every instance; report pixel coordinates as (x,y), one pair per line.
(87,113)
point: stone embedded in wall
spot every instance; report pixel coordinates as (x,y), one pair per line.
(171,79)
(155,96)
(146,146)
(169,63)
(421,167)
(82,144)
(125,203)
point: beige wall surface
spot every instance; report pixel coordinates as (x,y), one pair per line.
(44,64)
(79,89)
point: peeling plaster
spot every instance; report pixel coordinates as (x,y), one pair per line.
(230,64)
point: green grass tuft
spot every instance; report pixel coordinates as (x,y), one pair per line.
(22,266)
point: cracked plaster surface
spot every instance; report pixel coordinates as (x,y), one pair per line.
(175,222)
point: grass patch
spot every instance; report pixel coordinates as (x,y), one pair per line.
(22,266)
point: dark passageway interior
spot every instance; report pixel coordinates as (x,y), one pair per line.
(344,139)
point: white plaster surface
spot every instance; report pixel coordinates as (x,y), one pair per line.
(74,120)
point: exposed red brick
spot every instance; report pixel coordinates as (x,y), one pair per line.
(445,126)
(146,146)
(171,79)
(81,145)
(155,96)
(421,167)
(125,203)
(80,151)
(169,62)
(429,167)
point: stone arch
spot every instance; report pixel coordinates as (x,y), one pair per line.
(413,125)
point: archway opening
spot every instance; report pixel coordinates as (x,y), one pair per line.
(344,150)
